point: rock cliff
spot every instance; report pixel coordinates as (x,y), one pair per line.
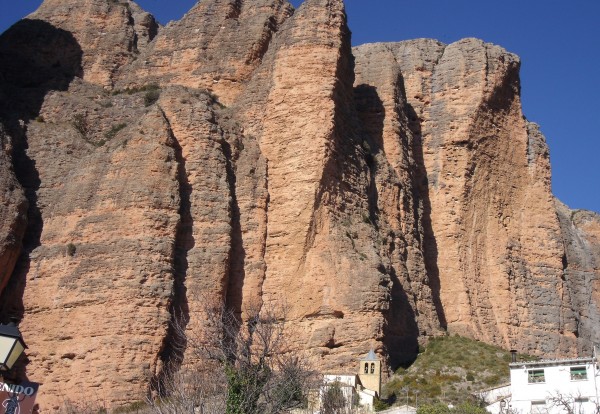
(13,212)
(496,248)
(381,195)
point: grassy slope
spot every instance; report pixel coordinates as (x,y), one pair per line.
(449,370)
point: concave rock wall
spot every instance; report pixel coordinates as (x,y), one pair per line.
(379,195)
(495,246)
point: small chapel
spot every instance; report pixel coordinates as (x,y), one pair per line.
(364,387)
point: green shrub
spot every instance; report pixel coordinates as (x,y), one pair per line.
(215,99)
(136,89)
(151,97)
(440,408)
(134,407)
(79,122)
(71,249)
(40,118)
(469,408)
(380,405)
(110,134)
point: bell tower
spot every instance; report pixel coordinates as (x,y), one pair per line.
(369,372)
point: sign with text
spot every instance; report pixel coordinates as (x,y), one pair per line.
(18,398)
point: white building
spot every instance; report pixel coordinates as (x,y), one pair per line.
(495,397)
(361,389)
(550,387)
(351,388)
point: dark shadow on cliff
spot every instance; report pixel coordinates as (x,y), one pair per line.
(35,58)
(401,332)
(372,114)
(421,195)
(237,254)
(175,341)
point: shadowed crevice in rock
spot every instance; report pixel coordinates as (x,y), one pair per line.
(368,104)
(237,256)
(35,58)
(504,94)
(344,139)
(13,213)
(401,331)
(421,196)
(175,341)
(235,9)
(11,300)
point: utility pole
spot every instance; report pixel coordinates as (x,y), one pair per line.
(405,389)
(595,371)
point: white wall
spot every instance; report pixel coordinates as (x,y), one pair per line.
(342,379)
(491,395)
(557,381)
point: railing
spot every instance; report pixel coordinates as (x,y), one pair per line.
(536,379)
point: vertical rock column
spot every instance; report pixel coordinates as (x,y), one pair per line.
(495,236)
(97,287)
(202,262)
(297,141)
(13,212)
(384,111)
(320,254)
(581,238)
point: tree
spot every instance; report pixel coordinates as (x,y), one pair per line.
(440,408)
(250,359)
(333,400)
(572,403)
(188,390)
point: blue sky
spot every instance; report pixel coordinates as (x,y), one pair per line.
(558,42)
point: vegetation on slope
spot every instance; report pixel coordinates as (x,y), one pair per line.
(449,370)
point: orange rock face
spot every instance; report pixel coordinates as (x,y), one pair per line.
(110,33)
(217,45)
(494,242)
(13,212)
(381,195)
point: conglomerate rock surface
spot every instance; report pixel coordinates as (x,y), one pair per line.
(13,212)
(495,245)
(380,195)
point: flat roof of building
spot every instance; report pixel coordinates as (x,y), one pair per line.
(551,362)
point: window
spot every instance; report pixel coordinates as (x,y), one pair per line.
(372,367)
(578,373)
(538,407)
(366,368)
(535,376)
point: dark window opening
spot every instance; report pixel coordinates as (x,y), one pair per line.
(535,376)
(578,373)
